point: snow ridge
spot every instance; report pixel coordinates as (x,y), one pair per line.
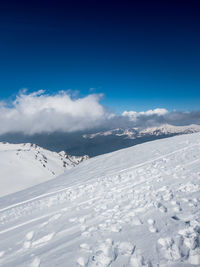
(31,165)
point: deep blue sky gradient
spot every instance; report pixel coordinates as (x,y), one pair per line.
(140,54)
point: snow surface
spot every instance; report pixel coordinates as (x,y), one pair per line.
(139,206)
(25,165)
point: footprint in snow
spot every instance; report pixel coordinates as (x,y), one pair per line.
(161,207)
(125,248)
(137,260)
(29,235)
(136,221)
(88,231)
(102,255)
(82,220)
(176,206)
(28,238)
(85,246)
(74,219)
(105,253)
(191,235)
(152,227)
(170,250)
(115,228)
(82,261)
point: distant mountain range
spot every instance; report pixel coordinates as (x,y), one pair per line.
(99,142)
(133,133)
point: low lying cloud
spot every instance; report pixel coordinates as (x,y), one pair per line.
(133,115)
(39,112)
(161,116)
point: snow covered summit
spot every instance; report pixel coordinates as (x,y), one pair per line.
(136,207)
(25,165)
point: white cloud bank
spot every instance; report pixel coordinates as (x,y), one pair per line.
(133,115)
(39,112)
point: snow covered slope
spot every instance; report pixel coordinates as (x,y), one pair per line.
(25,165)
(139,206)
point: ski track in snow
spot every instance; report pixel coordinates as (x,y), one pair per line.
(146,215)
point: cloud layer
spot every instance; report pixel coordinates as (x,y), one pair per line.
(133,115)
(39,112)
(161,116)
(42,113)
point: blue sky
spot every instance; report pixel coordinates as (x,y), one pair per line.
(140,54)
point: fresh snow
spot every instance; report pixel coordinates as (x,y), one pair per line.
(137,207)
(25,165)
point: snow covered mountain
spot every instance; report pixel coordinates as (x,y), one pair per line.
(134,133)
(99,142)
(25,165)
(138,207)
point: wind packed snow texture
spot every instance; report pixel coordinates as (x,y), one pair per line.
(135,207)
